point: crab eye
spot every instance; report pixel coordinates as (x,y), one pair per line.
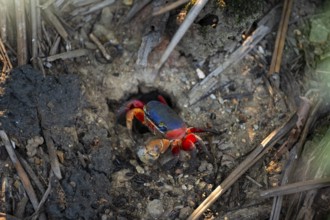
(162,127)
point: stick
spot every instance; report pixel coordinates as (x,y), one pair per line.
(21,32)
(169,7)
(251,159)
(34,27)
(55,165)
(104,52)
(6,61)
(45,196)
(56,23)
(296,187)
(280,38)
(20,171)
(135,9)
(31,173)
(3,20)
(54,48)
(99,6)
(209,83)
(68,55)
(193,13)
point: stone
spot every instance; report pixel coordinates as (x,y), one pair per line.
(155,208)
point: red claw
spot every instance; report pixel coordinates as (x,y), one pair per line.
(162,99)
(188,142)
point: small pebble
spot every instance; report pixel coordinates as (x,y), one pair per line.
(197,110)
(37,161)
(191,201)
(209,187)
(73,184)
(209,167)
(185,212)
(261,50)
(155,208)
(200,73)
(128,2)
(201,185)
(255,127)
(212,96)
(168,187)
(221,100)
(202,167)
(139,169)
(190,187)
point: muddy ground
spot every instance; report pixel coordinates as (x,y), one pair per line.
(77,101)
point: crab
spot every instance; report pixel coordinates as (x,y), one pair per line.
(163,121)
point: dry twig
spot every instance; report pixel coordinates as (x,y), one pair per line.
(251,159)
(153,35)
(295,133)
(104,52)
(3,20)
(35,29)
(7,66)
(99,6)
(193,13)
(169,7)
(56,23)
(296,187)
(211,82)
(31,173)
(21,32)
(68,55)
(54,48)
(45,196)
(136,8)
(20,171)
(289,172)
(280,38)
(54,163)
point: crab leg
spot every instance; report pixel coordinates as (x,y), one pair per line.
(188,143)
(130,115)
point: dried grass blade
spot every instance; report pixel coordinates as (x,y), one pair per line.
(296,187)
(21,32)
(20,171)
(169,7)
(280,38)
(193,13)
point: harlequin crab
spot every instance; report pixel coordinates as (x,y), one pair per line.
(163,121)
